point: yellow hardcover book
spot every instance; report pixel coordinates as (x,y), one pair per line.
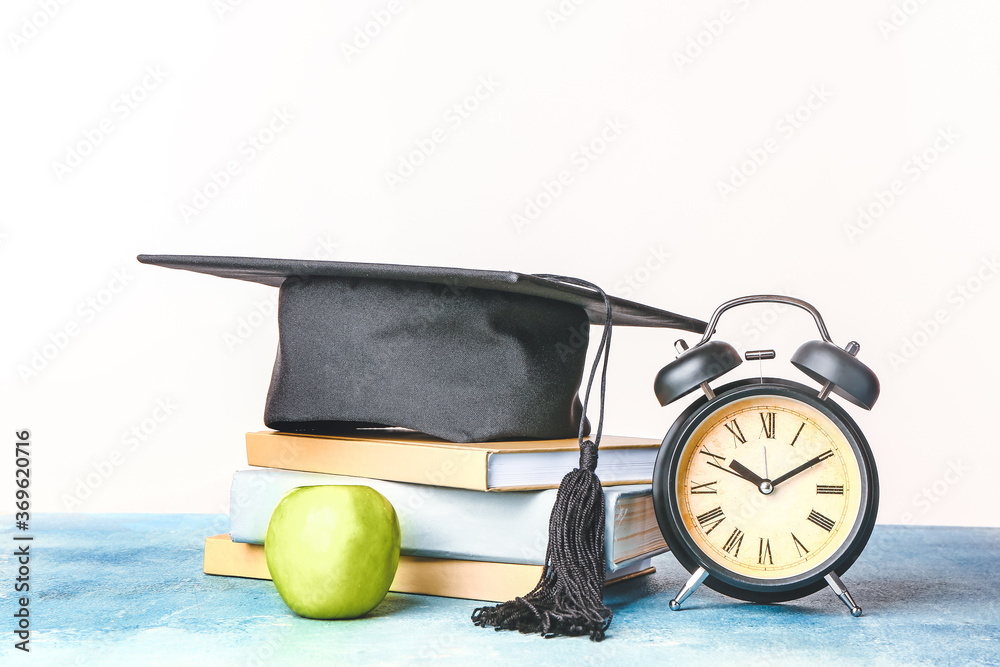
(469,579)
(405,456)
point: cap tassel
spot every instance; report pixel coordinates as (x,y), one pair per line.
(569,597)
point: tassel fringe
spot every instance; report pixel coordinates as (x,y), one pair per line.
(568,599)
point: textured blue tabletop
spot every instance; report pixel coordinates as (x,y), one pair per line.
(128,589)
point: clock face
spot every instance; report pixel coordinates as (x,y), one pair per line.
(767,487)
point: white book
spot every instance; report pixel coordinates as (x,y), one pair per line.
(439,522)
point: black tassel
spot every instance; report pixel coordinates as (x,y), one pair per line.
(569,597)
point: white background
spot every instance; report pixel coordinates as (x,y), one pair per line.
(840,98)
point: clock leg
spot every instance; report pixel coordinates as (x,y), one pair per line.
(688,588)
(838,587)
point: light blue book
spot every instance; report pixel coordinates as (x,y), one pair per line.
(438,522)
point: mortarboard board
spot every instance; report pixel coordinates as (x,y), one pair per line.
(461,354)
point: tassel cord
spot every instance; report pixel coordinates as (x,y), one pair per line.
(568,598)
(603,349)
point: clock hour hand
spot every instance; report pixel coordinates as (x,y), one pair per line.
(731,472)
(805,466)
(746,473)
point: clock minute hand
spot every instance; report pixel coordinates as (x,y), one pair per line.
(805,466)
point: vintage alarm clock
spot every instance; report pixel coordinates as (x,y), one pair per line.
(765,489)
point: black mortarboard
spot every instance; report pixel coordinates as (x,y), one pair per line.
(461,354)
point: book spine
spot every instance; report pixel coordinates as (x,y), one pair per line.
(455,467)
(434,522)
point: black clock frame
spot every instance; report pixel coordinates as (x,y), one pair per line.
(666,505)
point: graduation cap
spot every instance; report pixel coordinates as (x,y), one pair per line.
(462,354)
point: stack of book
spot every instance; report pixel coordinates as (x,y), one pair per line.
(473,517)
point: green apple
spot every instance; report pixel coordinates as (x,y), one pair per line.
(332,550)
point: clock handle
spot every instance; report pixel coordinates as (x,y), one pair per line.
(766,298)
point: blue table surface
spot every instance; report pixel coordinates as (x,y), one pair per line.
(128,589)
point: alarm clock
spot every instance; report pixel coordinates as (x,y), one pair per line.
(765,489)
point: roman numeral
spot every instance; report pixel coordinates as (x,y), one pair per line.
(737,432)
(830,490)
(799,547)
(765,552)
(707,487)
(714,517)
(797,433)
(768,419)
(714,459)
(823,522)
(704,450)
(732,545)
